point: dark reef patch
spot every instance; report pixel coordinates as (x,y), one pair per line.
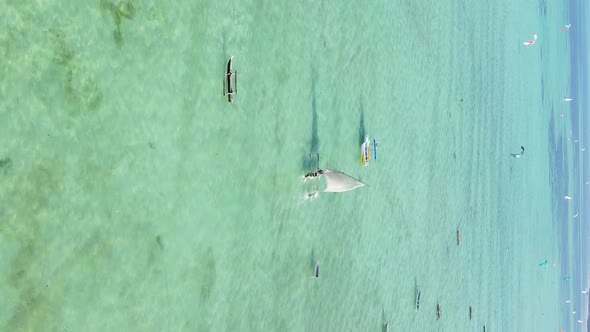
(29,205)
(5,165)
(118,10)
(80,86)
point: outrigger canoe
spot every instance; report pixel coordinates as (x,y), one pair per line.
(230,81)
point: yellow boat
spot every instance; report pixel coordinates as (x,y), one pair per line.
(366,151)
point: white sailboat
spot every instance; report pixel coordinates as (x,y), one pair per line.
(336,181)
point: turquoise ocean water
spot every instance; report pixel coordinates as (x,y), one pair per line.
(570,140)
(134,197)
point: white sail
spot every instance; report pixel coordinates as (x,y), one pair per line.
(338,182)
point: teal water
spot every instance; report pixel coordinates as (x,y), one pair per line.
(571,160)
(135,198)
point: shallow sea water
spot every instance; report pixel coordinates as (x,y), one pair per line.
(136,198)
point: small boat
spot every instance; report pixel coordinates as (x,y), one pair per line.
(386,327)
(375,145)
(520,154)
(230,81)
(316,270)
(418,299)
(531,42)
(566,28)
(366,151)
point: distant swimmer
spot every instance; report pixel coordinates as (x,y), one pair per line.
(567,198)
(312,192)
(438,314)
(531,42)
(458,238)
(574,311)
(566,28)
(470,313)
(518,155)
(567,99)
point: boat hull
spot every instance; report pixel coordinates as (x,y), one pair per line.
(229,90)
(366,151)
(375,148)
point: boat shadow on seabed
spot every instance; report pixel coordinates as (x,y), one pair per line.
(336,181)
